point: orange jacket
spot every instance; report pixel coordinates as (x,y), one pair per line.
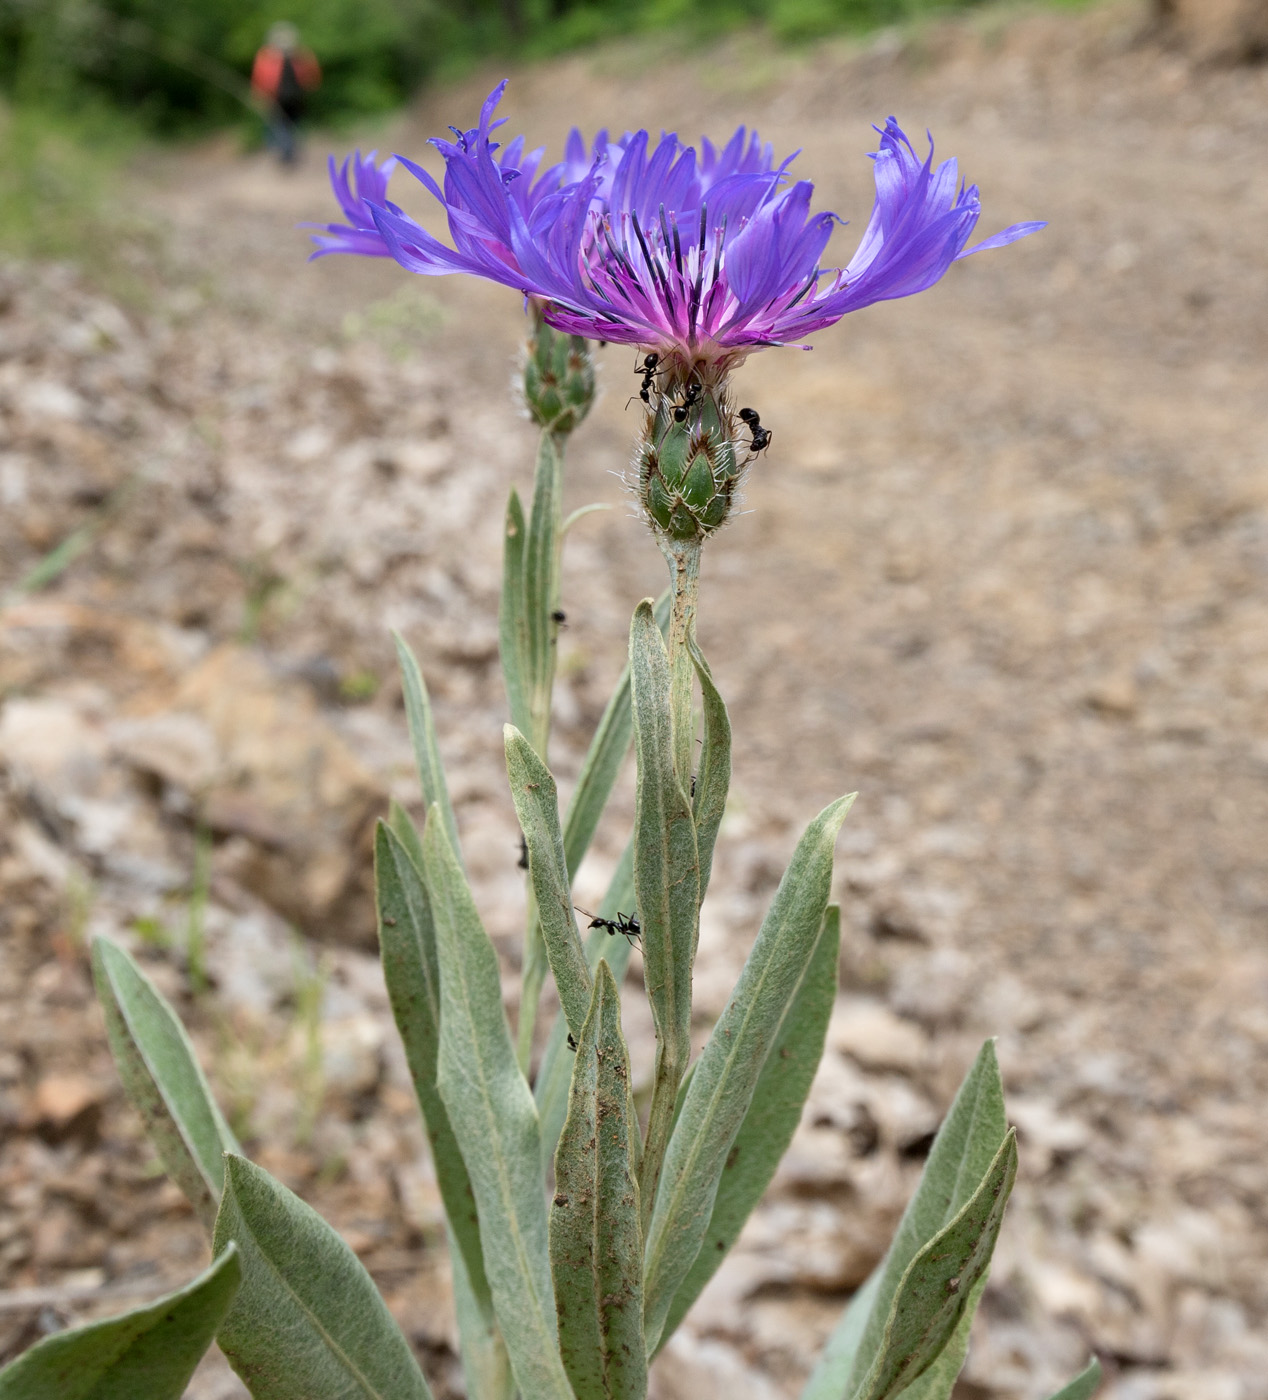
(266,73)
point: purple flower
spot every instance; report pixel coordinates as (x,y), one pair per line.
(702,257)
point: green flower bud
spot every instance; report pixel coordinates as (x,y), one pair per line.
(558,377)
(689,461)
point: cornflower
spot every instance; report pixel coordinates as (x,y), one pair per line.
(698,258)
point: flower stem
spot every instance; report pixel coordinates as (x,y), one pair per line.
(544,548)
(684,573)
(673,1043)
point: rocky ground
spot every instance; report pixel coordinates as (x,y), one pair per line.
(1004,571)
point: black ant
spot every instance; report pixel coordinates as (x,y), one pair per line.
(693,394)
(761,436)
(559,617)
(648,371)
(572,1042)
(626,924)
(522,863)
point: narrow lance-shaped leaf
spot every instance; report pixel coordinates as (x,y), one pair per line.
(667,882)
(493,1116)
(537,806)
(772,1117)
(1084,1385)
(422,733)
(407,946)
(596,1245)
(512,617)
(603,760)
(146,1354)
(714,779)
(308,1320)
(727,1072)
(555,1071)
(964,1148)
(937,1381)
(163,1079)
(941,1283)
(485,1364)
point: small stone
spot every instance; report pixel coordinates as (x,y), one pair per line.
(1114,696)
(65,1102)
(869,1033)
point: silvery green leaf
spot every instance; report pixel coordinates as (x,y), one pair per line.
(512,617)
(485,1364)
(596,1246)
(772,1116)
(495,1122)
(146,1354)
(940,1286)
(827,1382)
(555,1071)
(667,882)
(537,806)
(407,946)
(964,1148)
(422,733)
(163,1079)
(731,1063)
(714,779)
(308,1322)
(602,763)
(1084,1385)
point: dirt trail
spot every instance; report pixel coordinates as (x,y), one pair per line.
(1005,571)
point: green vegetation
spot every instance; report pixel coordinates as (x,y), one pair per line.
(57,165)
(176,65)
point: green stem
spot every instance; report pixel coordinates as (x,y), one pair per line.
(545,545)
(684,574)
(671,1063)
(674,1048)
(542,557)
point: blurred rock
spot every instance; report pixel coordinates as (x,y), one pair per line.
(694,1369)
(257,759)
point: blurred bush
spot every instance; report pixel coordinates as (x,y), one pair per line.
(177,64)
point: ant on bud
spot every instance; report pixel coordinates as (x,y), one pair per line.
(626,924)
(648,370)
(693,395)
(761,436)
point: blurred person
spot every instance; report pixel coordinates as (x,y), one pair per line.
(283,75)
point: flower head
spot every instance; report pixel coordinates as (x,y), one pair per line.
(702,256)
